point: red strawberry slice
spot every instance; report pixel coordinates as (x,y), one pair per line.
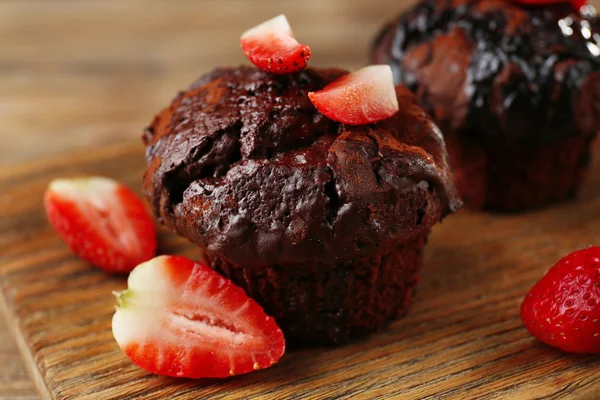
(563,308)
(102,221)
(362,97)
(180,318)
(271,46)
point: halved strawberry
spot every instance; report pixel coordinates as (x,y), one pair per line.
(271,46)
(102,221)
(362,97)
(180,318)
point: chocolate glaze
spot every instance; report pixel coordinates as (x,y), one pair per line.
(243,165)
(495,71)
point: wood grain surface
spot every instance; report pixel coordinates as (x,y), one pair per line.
(80,79)
(463,338)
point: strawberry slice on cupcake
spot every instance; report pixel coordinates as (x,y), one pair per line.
(361,97)
(271,46)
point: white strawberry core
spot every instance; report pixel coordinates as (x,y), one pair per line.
(136,318)
(73,187)
(374,82)
(278,26)
(276,32)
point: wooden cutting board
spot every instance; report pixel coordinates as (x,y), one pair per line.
(463,338)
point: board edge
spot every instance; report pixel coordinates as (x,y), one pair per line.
(31,366)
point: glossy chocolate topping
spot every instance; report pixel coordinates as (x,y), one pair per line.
(493,70)
(243,165)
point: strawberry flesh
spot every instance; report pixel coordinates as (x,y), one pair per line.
(362,97)
(271,46)
(102,221)
(563,308)
(180,318)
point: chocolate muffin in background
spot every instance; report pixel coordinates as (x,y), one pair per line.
(322,223)
(515,90)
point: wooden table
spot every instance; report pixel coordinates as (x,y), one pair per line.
(80,74)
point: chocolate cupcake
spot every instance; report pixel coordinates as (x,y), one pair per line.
(515,89)
(322,223)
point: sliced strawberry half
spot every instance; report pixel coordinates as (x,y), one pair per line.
(102,221)
(362,97)
(180,318)
(271,46)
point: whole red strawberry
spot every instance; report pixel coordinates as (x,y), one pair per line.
(563,308)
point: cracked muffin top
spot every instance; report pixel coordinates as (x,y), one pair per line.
(243,165)
(494,70)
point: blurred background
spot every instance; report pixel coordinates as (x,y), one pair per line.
(75,74)
(81,73)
